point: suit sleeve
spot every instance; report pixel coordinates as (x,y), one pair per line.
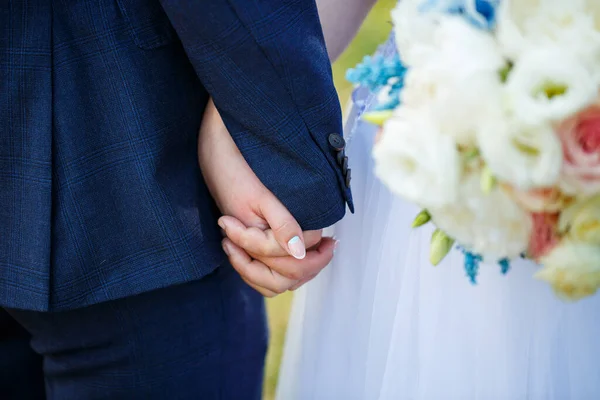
(265,64)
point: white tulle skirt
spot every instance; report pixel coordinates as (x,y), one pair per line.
(382,323)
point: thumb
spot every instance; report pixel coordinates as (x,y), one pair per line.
(286,229)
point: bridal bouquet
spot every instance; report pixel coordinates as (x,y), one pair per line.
(490,121)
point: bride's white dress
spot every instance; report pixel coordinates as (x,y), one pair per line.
(382,323)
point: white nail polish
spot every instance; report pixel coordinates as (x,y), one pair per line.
(296,248)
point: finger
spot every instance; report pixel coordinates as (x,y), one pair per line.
(254,271)
(310,277)
(264,292)
(298,270)
(259,242)
(286,230)
(312,238)
(252,240)
(303,282)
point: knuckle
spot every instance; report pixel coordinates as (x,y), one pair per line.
(295,274)
(245,242)
(281,288)
(283,226)
(265,248)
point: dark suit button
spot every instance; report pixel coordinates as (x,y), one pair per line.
(348,178)
(340,157)
(337,142)
(344,165)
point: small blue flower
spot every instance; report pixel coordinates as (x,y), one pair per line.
(374,72)
(471,264)
(482,13)
(393,100)
(479,13)
(504,265)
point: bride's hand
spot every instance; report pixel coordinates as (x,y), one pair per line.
(240,194)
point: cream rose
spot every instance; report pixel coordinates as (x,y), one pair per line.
(580,222)
(572,269)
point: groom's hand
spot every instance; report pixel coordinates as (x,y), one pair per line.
(239,193)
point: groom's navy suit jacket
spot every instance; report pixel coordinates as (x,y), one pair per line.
(101,196)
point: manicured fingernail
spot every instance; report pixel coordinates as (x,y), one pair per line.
(222,224)
(226,248)
(296,247)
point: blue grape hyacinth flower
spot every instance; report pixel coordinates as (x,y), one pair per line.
(374,72)
(472,262)
(504,265)
(380,73)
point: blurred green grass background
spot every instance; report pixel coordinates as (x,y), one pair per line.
(372,33)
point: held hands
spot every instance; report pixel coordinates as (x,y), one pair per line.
(265,265)
(264,242)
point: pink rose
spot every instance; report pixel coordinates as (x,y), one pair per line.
(544,235)
(580,137)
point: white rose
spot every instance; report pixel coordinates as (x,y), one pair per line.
(420,88)
(524,25)
(465,49)
(524,156)
(462,106)
(459,83)
(413,31)
(548,84)
(573,269)
(457,105)
(467,65)
(492,224)
(416,161)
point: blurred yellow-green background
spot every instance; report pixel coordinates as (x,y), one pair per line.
(373,32)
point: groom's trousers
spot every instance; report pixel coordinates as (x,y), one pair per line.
(200,340)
